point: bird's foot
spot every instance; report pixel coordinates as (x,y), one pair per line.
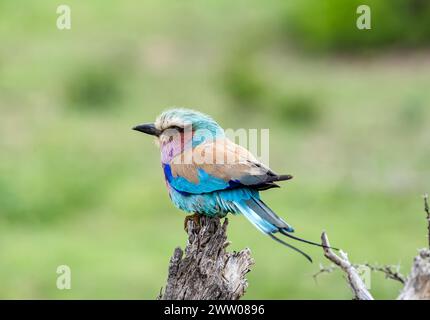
(193,217)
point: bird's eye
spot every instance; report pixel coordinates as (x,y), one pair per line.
(176,128)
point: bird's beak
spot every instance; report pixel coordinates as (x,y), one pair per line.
(148,128)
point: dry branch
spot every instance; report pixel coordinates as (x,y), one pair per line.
(391,272)
(417,286)
(207,271)
(324,269)
(427,210)
(355,282)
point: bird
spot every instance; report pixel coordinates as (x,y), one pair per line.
(208,174)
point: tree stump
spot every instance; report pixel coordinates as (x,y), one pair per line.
(207,271)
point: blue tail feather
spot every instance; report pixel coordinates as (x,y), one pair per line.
(265,220)
(261,224)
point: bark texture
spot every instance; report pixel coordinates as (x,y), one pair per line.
(417,285)
(207,270)
(355,282)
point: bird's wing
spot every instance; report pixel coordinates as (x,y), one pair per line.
(219,165)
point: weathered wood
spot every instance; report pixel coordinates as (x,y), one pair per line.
(207,271)
(417,286)
(356,284)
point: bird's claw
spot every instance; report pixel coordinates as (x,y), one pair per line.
(193,217)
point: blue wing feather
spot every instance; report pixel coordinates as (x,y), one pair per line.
(207,183)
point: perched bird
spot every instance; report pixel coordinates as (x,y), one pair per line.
(208,174)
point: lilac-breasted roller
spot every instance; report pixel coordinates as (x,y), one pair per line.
(208,174)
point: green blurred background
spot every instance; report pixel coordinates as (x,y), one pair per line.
(347,111)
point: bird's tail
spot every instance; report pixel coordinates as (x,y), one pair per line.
(268,222)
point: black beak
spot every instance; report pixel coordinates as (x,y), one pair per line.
(147,128)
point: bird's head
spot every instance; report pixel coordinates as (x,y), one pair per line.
(182,128)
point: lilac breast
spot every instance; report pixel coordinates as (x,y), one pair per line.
(170,150)
(173,147)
